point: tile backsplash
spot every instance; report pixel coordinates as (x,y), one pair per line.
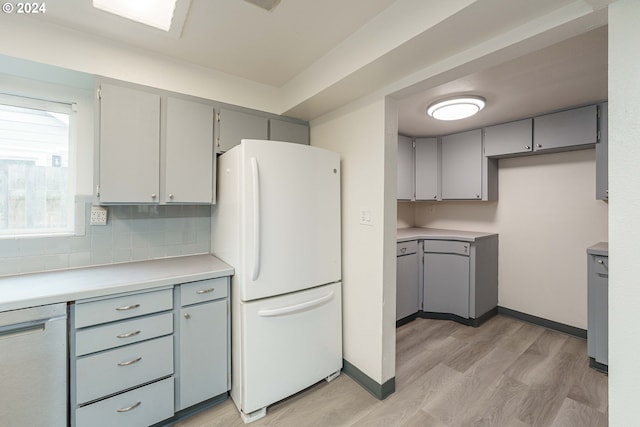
(132,233)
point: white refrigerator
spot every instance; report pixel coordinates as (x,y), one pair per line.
(277,222)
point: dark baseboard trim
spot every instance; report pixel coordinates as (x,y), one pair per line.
(598,366)
(448,316)
(549,324)
(198,407)
(379,391)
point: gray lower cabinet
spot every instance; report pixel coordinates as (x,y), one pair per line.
(407,280)
(508,138)
(575,127)
(427,169)
(405,168)
(121,359)
(459,277)
(602,154)
(202,351)
(598,308)
(234,126)
(281,130)
(462,166)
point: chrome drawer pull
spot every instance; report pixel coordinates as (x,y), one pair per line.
(128,307)
(128,334)
(130,362)
(600,261)
(129,408)
(205,291)
(403,250)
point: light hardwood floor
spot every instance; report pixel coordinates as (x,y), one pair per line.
(505,373)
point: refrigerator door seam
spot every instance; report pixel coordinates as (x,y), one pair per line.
(255,173)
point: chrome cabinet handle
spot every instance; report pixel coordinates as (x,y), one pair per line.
(600,261)
(538,145)
(527,147)
(128,307)
(129,334)
(129,408)
(403,250)
(130,362)
(435,196)
(477,196)
(171,196)
(205,291)
(187,316)
(153,195)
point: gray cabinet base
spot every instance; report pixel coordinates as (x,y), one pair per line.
(192,410)
(598,366)
(448,316)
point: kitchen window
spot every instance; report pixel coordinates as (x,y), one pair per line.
(36,167)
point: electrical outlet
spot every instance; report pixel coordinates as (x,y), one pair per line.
(98,215)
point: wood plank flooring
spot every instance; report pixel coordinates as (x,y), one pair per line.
(505,373)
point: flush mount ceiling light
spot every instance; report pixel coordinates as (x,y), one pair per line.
(456,108)
(155,13)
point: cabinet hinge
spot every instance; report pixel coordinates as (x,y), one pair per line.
(598,112)
(98,190)
(218,117)
(598,136)
(99,93)
(413,143)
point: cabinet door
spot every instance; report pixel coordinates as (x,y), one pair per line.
(203,353)
(407,290)
(509,138)
(462,165)
(446,284)
(602,155)
(189,162)
(279,130)
(236,126)
(129,145)
(426,164)
(598,308)
(566,129)
(405,168)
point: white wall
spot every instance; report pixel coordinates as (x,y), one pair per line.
(546,216)
(624,190)
(358,134)
(50,44)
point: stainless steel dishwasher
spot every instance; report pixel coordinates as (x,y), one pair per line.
(33,366)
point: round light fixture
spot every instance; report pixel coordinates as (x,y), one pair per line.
(456,108)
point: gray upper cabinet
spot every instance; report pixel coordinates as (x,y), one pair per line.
(508,139)
(128,151)
(602,155)
(188,155)
(570,128)
(405,168)
(280,130)
(426,169)
(462,166)
(236,126)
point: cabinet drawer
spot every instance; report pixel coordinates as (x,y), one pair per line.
(111,371)
(406,248)
(140,407)
(112,335)
(600,265)
(447,247)
(203,290)
(124,307)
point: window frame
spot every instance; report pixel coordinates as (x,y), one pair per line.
(54,106)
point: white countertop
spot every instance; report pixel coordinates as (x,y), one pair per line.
(416,233)
(601,248)
(28,290)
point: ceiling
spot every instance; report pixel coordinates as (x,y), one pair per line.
(323,54)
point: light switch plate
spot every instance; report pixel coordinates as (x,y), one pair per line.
(98,215)
(365,216)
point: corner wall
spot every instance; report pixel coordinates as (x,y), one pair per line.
(546,216)
(357,133)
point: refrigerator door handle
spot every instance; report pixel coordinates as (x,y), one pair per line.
(296,307)
(255,174)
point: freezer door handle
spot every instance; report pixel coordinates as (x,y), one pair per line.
(255,174)
(296,307)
